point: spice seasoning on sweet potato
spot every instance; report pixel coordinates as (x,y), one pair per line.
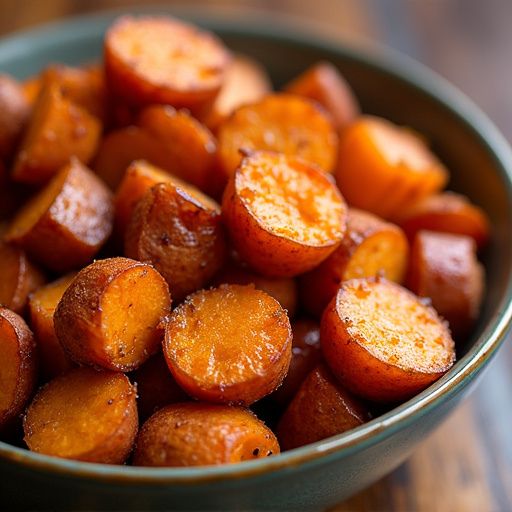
(230,344)
(382,342)
(113,314)
(85,415)
(199,434)
(283,215)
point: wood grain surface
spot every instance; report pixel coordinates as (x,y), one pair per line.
(466,465)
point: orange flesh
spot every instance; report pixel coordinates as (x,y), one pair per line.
(291,199)
(10,366)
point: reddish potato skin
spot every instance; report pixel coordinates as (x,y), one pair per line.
(26,364)
(321,408)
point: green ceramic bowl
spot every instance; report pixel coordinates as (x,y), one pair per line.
(323,473)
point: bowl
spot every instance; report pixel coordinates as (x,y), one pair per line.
(323,473)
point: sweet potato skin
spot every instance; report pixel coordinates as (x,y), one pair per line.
(199,434)
(73,406)
(330,409)
(74,226)
(18,366)
(403,360)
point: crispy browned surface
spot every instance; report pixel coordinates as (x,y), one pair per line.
(384,168)
(199,434)
(370,247)
(180,234)
(156,386)
(382,342)
(67,222)
(18,366)
(57,130)
(14,112)
(41,306)
(283,215)
(444,268)
(324,83)
(321,408)
(113,314)
(163,60)
(305,355)
(18,277)
(84,415)
(230,344)
(448,213)
(283,123)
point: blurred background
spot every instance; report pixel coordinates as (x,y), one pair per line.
(467,464)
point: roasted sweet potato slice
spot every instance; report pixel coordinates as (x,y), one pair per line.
(199,434)
(180,234)
(447,213)
(444,268)
(163,60)
(321,408)
(32,88)
(230,344)
(58,130)
(384,168)
(284,123)
(84,415)
(284,216)
(18,366)
(370,247)
(325,84)
(112,315)
(64,225)
(382,342)
(42,304)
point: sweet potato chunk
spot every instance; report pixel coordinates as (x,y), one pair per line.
(156,386)
(382,342)
(305,356)
(445,269)
(18,366)
(284,216)
(246,81)
(14,112)
(321,408)
(41,306)
(448,213)
(163,60)
(180,234)
(384,168)
(370,247)
(57,131)
(284,123)
(324,83)
(198,434)
(230,344)
(64,225)
(113,314)
(18,277)
(32,88)
(84,415)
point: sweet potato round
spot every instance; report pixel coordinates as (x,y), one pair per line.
(64,225)
(382,342)
(230,344)
(283,215)
(321,408)
(370,247)
(112,315)
(180,234)
(198,434)
(85,415)
(163,60)
(445,269)
(18,366)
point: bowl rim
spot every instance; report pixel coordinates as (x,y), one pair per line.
(288,30)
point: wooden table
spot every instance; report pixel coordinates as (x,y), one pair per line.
(467,464)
